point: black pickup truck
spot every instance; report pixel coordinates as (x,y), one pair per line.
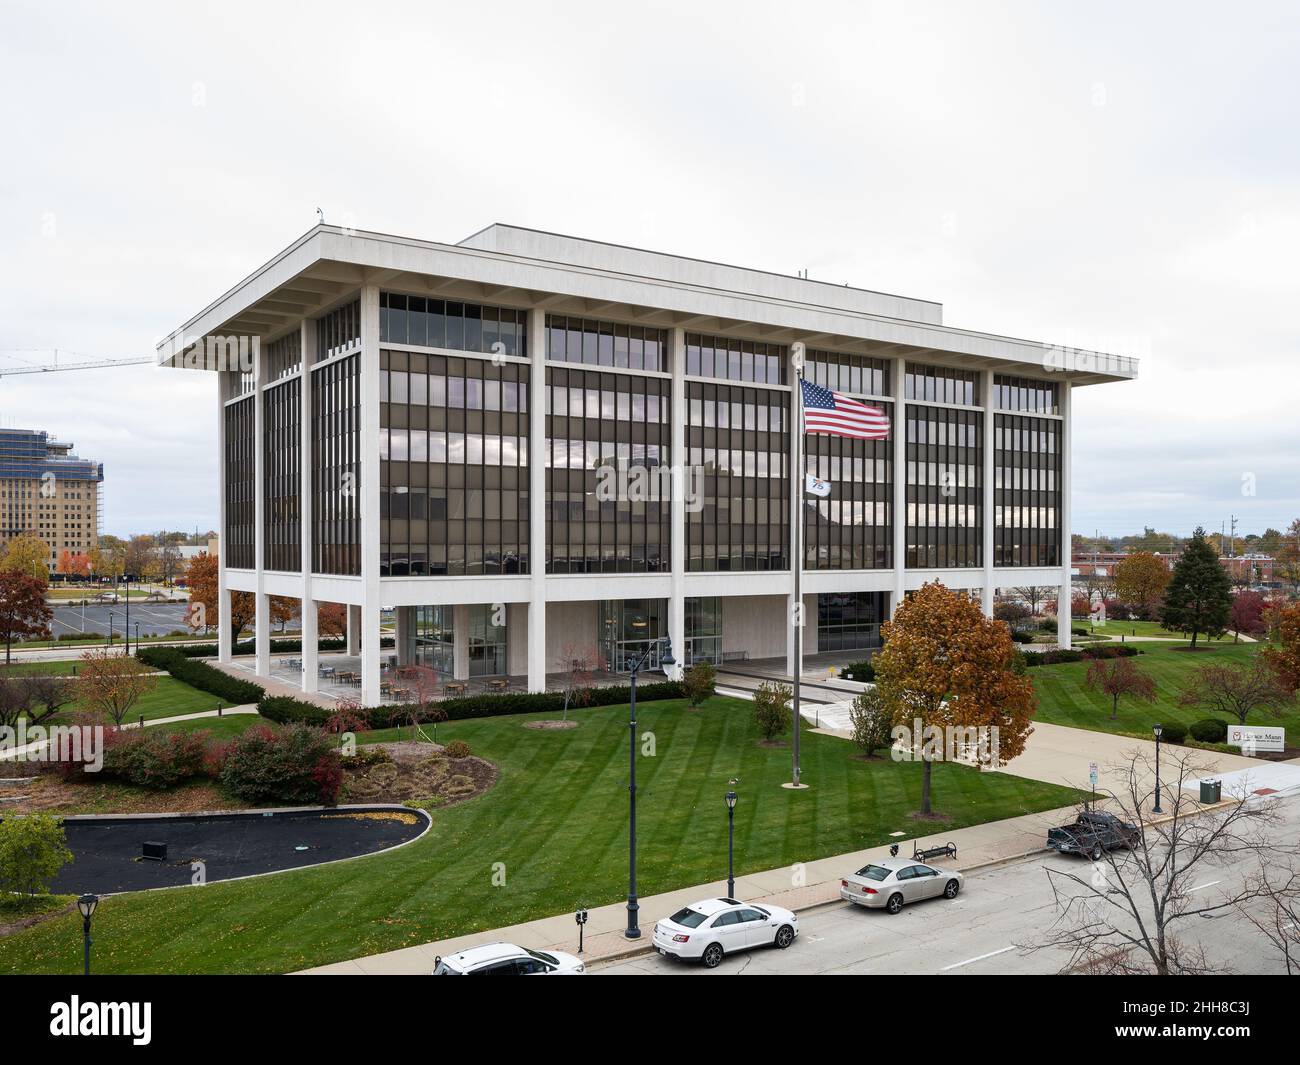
(1092,834)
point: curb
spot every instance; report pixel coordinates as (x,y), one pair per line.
(993,863)
(637,951)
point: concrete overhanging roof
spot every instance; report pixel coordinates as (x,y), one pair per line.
(564,275)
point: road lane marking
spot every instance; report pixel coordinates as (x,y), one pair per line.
(1202,887)
(971,961)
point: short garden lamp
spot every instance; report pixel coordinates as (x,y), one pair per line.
(86,904)
(1157,729)
(731,798)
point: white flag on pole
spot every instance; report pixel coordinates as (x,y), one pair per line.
(816,486)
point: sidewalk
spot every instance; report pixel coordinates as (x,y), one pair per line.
(797,887)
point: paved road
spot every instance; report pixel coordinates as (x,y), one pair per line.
(988,929)
(156,619)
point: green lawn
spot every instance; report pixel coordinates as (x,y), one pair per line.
(169,697)
(222,728)
(557,819)
(61,668)
(1064,700)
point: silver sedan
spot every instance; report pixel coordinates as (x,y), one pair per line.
(892,882)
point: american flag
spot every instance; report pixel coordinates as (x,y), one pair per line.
(835,414)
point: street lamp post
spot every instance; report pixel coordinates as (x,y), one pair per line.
(1156,808)
(86,904)
(633,930)
(111,616)
(731,844)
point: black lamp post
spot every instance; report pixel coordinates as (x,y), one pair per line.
(731,844)
(1156,808)
(633,931)
(86,904)
(110,629)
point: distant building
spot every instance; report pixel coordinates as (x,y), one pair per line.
(47,491)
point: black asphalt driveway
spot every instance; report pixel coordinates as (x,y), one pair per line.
(108,851)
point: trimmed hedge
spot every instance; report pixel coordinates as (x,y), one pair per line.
(201,675)
(287,710)
(1173,732)
(1209,730)
(283,646)
(860,671)
(1111,650)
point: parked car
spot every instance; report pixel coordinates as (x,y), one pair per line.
(506,959)
(1093,833)
(893,882)
(709,929)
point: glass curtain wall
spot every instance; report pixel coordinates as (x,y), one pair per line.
(487,640)
(738,439)
(240,512)
(945,469)
(435,643)
(628,627)
(849,621)
(608,500)
(703,630)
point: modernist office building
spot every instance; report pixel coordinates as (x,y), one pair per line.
(48,492)
(472,435)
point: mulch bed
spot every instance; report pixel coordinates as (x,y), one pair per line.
(414,772)
(548,726)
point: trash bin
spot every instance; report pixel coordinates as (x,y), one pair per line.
(1211,791)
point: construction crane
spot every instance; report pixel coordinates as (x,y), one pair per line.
(57,367)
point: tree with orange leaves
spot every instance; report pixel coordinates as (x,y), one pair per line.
(331,619)
(110,683)
(947,666)
(201,577)
(1285,658)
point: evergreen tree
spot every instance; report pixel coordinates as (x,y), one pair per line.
(1199,597)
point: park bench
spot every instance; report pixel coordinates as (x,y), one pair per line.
(735,656)
(924,854)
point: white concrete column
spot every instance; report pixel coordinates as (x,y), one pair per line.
(677,595)
(460,642)
(1067,486)
(537,500)
(223,592)
(987,510)
(262,624)
(307,601)
(310,660)
(404,634)
(898,434)
(368,496)
(354,629)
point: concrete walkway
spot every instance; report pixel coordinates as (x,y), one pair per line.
(1060,755)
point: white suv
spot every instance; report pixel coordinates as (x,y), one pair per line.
(506,959)
(709,929)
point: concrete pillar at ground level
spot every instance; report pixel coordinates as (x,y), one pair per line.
(310,657)
(354,629)
(460,660)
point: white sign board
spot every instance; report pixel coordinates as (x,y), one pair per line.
(1257,737)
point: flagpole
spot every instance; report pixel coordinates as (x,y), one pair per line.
(797,477)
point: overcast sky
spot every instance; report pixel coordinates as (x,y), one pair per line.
(1115,176)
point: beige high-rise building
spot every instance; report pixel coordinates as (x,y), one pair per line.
(48,492)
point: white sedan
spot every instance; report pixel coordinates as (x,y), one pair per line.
(709,929)
(506,959)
